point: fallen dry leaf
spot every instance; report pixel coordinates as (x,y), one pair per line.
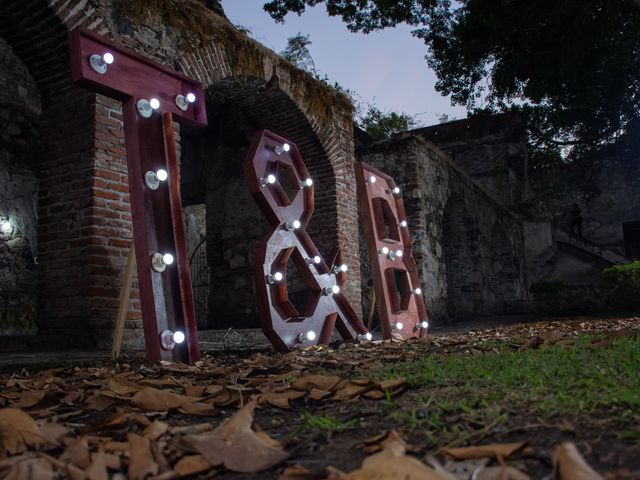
(141,461)
(98,468)
(568,464)
(236,446)
(31,468)
(392,464)
(296,472)
(18,431)
(151,398)
(503,473)
(494,450)
(191,465)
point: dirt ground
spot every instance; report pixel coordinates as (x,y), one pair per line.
(315,408)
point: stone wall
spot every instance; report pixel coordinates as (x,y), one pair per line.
(84,227)
(19,154)
(490,149)
(607,191)
(469,249)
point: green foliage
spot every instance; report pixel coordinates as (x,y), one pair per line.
(624,282)
(572,66)
(578,380)
(380,125)
(324,424)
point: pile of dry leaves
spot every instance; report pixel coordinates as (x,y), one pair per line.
(173,421)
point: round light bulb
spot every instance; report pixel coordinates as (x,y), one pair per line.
(395,190)
(167,258)
(335,289)
(403,223)
(383,250)
(286,147)
(417,291)
(424,324)
(399,253)
(311,335)
(178,337)
(278,276)
(162,175)
(154,103)
(372,179)
(317,259)
(344,267)
(191,98)
(5,226)
(108,58)
(368,336)
(271,179)
(399,326)
(296,224)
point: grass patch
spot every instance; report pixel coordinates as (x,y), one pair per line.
(323,424)
(577,380)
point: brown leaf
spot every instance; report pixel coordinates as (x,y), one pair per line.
(77,451)
(141,461)
(568,464)
(320,382)
(53,432)
(280,399)
(503,473)
(153,399)
(198,408)
(297,472)
(18,431)
(192,465)
(317,394)
(236,446)
(377,443)
(98,468)
(31,468)
(155,430)
(494,450)
(392,464)
(533,343)
(29,398)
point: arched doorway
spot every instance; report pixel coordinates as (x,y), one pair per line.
(213,177)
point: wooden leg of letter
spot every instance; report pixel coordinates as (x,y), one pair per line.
(124,302)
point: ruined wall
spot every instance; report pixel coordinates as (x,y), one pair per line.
(490,149)
(468,248)
(19,150)
(607,192)
(84,214)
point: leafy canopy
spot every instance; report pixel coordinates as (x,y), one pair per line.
(573,65)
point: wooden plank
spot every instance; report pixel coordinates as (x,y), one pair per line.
(123,308)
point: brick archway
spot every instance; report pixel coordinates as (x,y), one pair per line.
(212,176)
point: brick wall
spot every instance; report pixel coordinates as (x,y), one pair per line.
(84,213)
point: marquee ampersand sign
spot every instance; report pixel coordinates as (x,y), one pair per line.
(270,159)
(399,298)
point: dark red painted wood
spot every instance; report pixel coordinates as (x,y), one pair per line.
(132,75)
(280,321)
(372,197)
(166,298)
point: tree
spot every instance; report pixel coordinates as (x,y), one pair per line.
(380,125)
(297,53)
(375,122)
(573,65)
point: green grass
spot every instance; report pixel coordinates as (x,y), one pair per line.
(578,380)
(323,424)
